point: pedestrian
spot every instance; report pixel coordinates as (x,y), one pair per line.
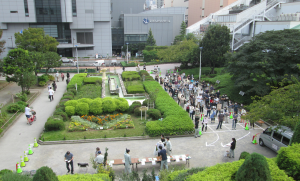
(208,110)
(62,76)
(69,161)
(56,76)
(162,138)
(204,122)
(221,118)
(68,75)
(234,120)
(86,70)
(192,112)
(97,69)
(169,147)
(96,153)
(232,147)
(123,68)
(235,107)
(99,159)
(163,155)
(49,86)
(196,128)
(51,92)
(54,86)
(67,80)
(182,99)
(218,94)
(201,106)
(127,161)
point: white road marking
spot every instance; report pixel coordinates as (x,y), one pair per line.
(236,140)
(211,144)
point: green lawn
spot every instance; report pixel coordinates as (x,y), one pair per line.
(138,130)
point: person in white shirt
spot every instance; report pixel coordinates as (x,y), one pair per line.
(204,123)
(51,92)
(57,75)
(216,100)
(99,159)
(27,113)
(199,97)
(169,147)
(191,112)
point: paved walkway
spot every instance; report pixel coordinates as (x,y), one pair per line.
(6,92)
(207,150)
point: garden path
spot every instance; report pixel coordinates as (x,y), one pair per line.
(6,92)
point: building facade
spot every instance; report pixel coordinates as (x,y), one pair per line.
(178,3)
(82,23)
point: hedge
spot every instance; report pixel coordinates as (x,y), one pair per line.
(77,79)
(70,110)
(82,109)
(176,120)
(133,75)
(244,155)
(62,114)
(96,106)
(122,104)
(134,89)
(71,103)
(44,173)
(131,64)
(84,177)
(288,160)
(92,80)
(108,104)
(154,113)
(183,174)
(54,123)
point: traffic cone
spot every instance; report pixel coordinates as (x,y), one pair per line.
(30,152)
(19,169)
(22,162)
(35,143)
(231,116)
(254,141)
(200,133)
(202,117)
(25,157)
(150,72)
(247,127)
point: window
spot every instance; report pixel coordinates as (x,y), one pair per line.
(85,37)
(268,131)
(285,141)
(13,11)
(26,8)
(74,10)
(136,38)
(87,48)
(277,136)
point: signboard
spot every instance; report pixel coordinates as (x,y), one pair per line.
(146,21)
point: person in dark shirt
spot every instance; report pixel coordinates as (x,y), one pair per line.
(232,147)
(208,110)
(218,94)
(196,128)
(163,154)
(221,118)
(69,161)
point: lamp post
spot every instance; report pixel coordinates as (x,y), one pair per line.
(200,63)
(77,59)
(127,52)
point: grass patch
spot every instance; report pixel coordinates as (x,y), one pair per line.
(133,87)
(138,130)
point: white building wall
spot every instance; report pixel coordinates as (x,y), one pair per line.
(66,11)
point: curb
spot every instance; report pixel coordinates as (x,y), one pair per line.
(104,140)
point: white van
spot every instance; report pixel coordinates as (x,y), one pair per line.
(276,137)
(99,63)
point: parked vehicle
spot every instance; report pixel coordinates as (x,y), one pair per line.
(276,137)
(66,60)
(99,63)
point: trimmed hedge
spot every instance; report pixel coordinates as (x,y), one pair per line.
(122,104)
(133,106)
(183,174)
(62,114)
(244,155)
(84,177)
(108,104)
(176,121)
(92,80)
(54,123)
(70,110)
(82,109)
(45,173)
(133,75)
(96,106)
(89,91)
(131,64)
(71,103)
(288,160)
(77,79)
(154,113)
(134,89)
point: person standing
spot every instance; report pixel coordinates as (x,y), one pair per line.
(208,110)
(54,86)
(191,112)
(232,147)
(99,159)
(218,94)
(68,75)
(96,153)
(234,120)
(201,106)
(196,128)
(169,147)
(56,76)
(221,118)
(235,108)
(123,68)
(204,123)
(69,161)
(163,155)
(62,76)
(51,92)
(127,161)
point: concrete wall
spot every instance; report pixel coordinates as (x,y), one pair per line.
(261,27)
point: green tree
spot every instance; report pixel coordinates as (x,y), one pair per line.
(2,42)
(39,60)
(150,41)
(16,64)
(215,44)
(280,106)
(150,55)
(181,36)
(134,48)
(34,39)
(29,79)
(263,62)
(255,167)
(45,173)
(191,36)
(296,135)
(52,60)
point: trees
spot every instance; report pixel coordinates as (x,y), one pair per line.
(296,135)
(181,36)
(52,60)
(215,44)
(2,42)
(150,41)
(39,59)
(264,62)
(134,48)
(16,65)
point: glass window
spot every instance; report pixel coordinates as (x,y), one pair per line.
(268,131)
(85,37)
(74,9)
(277,136)
(26,8)
(48,11)
(285,141)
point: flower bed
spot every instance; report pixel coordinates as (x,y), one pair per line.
(124,124)
(101,120)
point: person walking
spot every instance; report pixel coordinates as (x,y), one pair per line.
(234,120)
(123,68)
(69,161)
(54,86)
(56,76)
(68,75)
(221,119)
(169,146)
(62,76)
(163,155)
(127,161)
(51,92)
(232,147)
(204,123)
(196,128)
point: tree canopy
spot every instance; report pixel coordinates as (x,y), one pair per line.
(2,42)
(34,39)
(52,60)
(215,44)
(264,61)
(151,41)
(181,36)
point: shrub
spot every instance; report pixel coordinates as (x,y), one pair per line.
(108,105)
(71,103)
(133,106)
(84,177)
(22,96)
(92,80)
(42,83)
(131,64)
(149,78)
(244,155)
(73,90)
(77,79)
(14,108)
(69,93)
(144,72)
(130,75)
(137,111)
(145,102)
(289,161)
(4,171)
(122,104)
(13,176)
(183,175)
(43,78)
(255,167)
(70,110)
(85,100)
(134,89)
(296,135)
(67,97)
(62,114)
(54,123)
(96,106)
(51,77)
(154,114)
(45,173)
(82,109)
(137,102)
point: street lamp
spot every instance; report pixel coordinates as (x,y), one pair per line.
(77,59)
(200,63)
(127,52)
